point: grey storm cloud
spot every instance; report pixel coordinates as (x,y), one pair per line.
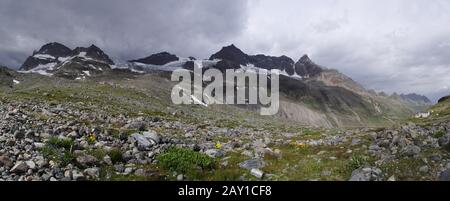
(394,46)
(124,29)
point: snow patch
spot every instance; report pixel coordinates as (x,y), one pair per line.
(42,69)
(86,72)
(195,99)
(63,59)
(44,56)
(82,54)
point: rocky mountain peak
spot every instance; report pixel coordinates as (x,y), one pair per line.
(93,52)
(305,59)
(54,49)
(57,59)
(306,67)
(233,54)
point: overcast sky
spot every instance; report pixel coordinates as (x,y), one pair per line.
(389,45)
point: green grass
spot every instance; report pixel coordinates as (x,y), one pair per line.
(357,161)
(59,150)
(116,155)
(185,161)
(438,134)
(60,143)
(304,163)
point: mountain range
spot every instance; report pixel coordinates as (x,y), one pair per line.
(310,94)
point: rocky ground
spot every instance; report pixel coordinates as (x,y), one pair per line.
(114,131)
(56,142)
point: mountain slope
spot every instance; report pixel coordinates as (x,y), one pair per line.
(440,112)
(6,77)
(340,100)
(330,97)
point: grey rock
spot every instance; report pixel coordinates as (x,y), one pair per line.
(213,153)
(152,136)
(257,173)
(39,145)
(107,160)
(138,125)
(374,147)
(19,167)
(252,164)
(128,170)
(360,175)
(45,177)
(31,164)
(443,141)
(445,175)
(87,160)
(411,150)
(5,161)
(140,173)
(141,141)
(180,177)
(424,169)
(247,153)
(19,134)
(356,141)
(436,157)
(92,172)
(119,168)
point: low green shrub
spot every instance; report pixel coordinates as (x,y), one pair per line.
(185,160)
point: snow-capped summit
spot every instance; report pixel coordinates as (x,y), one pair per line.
(47,55)
(55,58)
(93,52)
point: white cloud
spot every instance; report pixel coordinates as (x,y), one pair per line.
(387,45)
(400,45)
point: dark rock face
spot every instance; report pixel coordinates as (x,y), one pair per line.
(233,54)
(158,59)
(441,100)
(305,67)
(33,62)
(189,65)
(270,62)
(78,66)
(232,57)
(54,50)
(226,64)
(95,53)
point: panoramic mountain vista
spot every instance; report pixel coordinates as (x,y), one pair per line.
(156,91)
(76,110)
